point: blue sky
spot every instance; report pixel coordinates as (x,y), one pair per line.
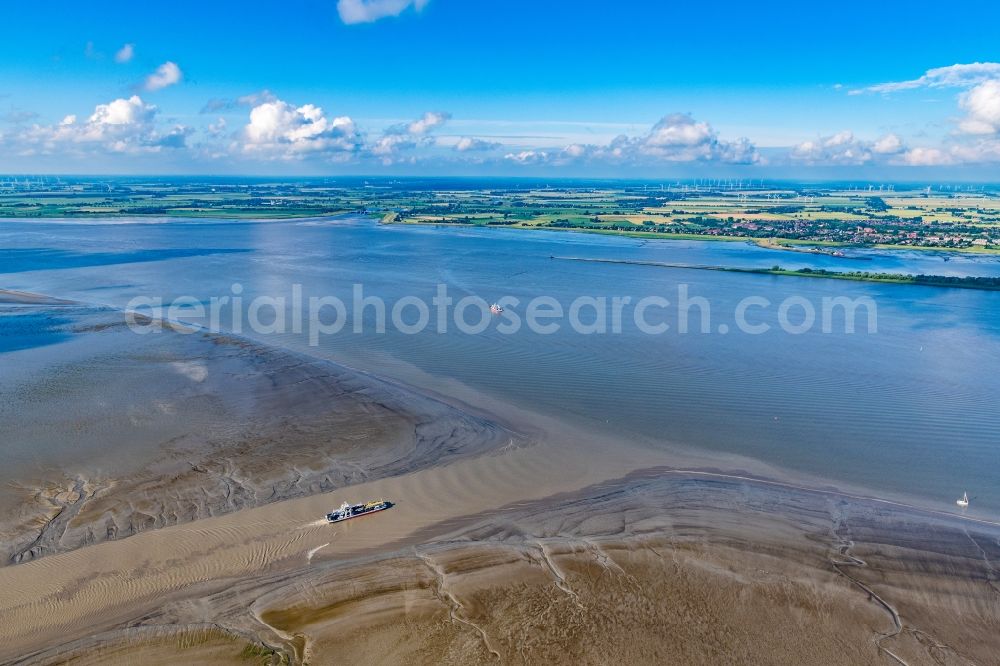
(458,86)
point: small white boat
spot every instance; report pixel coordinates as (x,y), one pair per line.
(496,309)
(964,502)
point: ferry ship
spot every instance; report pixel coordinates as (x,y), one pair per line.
(348,510)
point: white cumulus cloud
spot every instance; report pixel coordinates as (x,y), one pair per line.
(125,53)
(843,148)
(390,144)
(131,111)
(278,130)
(528,157)
(124,125)
(472,144)
(407,136)
(982,104)
(680,138)
(165,75)
(888,144)
(427,122)
(981,151)
(678,131)
(368,11)
(927,157)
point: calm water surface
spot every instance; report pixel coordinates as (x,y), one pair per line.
(910,410)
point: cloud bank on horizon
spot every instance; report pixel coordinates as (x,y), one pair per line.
(278,131)
(446,86)
(311,128)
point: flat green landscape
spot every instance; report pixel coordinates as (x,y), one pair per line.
(780,215)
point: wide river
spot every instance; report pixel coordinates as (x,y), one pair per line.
(907,410)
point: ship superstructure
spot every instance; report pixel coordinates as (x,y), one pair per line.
(348,510)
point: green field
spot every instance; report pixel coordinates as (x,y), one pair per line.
(794,217)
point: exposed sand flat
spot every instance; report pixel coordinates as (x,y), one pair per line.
(657,565)
(11,297)
(615,602)
(204,644)
(147,431)
(110,583)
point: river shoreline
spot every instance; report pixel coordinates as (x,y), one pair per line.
(984,284)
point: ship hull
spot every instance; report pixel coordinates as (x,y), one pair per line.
(340,519)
